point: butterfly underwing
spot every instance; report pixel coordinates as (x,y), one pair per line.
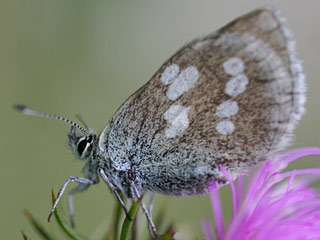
(232,98)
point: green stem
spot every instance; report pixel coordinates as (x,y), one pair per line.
(63,224)
(127,223)
(118,213)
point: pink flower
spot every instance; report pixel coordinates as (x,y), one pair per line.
(276,204)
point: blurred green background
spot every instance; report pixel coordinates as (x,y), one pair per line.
(74,56)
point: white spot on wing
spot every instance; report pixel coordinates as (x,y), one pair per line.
(183,82)
(233,66)
(169,74)
(236,85)
(225,127)
(177,116)
(227,109)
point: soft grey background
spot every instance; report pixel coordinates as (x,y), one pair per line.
(75,56)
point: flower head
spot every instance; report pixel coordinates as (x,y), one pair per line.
(277,204)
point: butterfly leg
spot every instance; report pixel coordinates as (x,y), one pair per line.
(115,191)
(150,207)
(80,188)
(79,180)
(152,227)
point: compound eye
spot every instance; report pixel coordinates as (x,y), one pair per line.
(82,146)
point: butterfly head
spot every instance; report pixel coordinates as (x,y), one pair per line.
(81,145)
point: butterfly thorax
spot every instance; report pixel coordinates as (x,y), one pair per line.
(122,176)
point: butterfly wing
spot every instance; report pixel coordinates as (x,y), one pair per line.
(231,98)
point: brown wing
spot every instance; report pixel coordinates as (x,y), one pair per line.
(231,98)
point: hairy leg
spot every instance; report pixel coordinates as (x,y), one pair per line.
(152,227)
(114,190)
(80,180)
(80,188)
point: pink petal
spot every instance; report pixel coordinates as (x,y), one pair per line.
(217,210)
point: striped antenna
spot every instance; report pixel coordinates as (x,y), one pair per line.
(29,111)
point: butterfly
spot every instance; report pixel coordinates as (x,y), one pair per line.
(232,99)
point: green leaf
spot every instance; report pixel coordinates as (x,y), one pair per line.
(42,232)
(127,223)
(134,228)
(168,235)
(64,225)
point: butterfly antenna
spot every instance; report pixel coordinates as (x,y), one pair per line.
(84,123)
(29,111)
